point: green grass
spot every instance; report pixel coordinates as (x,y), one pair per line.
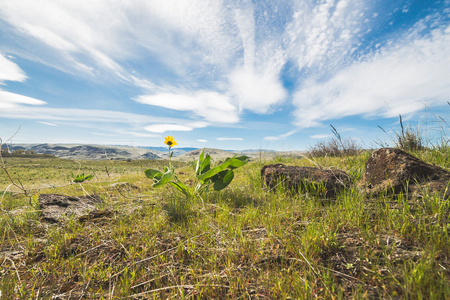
(243,242)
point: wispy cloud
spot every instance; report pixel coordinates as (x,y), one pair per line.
(212,106)
(160,128)
(10,101)
(79,41)
(280,137)
(207,38)
(217,62)
(323,34)
(395,80)
(229,139)
(9,71)
(202,141)
(16,106)
(47,123)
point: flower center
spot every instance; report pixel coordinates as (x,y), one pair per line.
(169,143)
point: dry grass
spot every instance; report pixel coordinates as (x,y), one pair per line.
(243,242)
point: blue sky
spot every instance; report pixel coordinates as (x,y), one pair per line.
(223,74)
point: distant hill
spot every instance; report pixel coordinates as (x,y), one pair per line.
(89,152)
(218,154)
(164,149)
(164,153)
(215,154)
(106,152)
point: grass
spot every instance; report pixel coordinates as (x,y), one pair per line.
(243,242)
(335,147)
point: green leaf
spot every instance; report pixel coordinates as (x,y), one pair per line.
(230,163)
(223,179)
(165,178)
(206,164)
(203,163)
(212,172)
(199,187)
(237,162)
(81,177)
(151,173)
(181,187)
(158,176)
(200,159)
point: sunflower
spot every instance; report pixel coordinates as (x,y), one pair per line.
(169,141)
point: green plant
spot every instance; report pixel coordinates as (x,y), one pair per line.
(409,139)
(81,178)
(219,176)
(335,147)
(260,244)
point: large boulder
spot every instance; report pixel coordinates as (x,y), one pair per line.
(56,207)
(325,182)
(393,171)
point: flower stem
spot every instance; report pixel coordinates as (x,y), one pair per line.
(170,160)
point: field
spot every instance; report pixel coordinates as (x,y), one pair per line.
(244,242)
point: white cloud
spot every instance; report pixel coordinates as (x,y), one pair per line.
(395,80)
(91,118)
(11,101)
(245,22)
(202,141)
(256,92)
(229,139)
(15,106)
(211,40)
(212,106)
(47,123)
(94,37)
(321,35)
(10,71)
(280,137)
(218,58)
(160,128)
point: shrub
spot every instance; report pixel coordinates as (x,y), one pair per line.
(409,139)
(335,146)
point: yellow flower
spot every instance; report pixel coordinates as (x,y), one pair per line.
(169,141)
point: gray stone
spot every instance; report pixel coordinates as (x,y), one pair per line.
(56,207)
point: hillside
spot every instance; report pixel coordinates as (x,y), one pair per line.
(107,152)
(90,152)
(218,154)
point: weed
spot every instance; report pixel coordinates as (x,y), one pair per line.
(335,147)
(244,242)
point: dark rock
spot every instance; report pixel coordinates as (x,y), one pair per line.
(327,182)
(57,207)
(394,171)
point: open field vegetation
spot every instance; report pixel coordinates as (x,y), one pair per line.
(244,242)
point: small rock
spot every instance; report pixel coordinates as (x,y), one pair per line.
(57,207)
(296,178)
